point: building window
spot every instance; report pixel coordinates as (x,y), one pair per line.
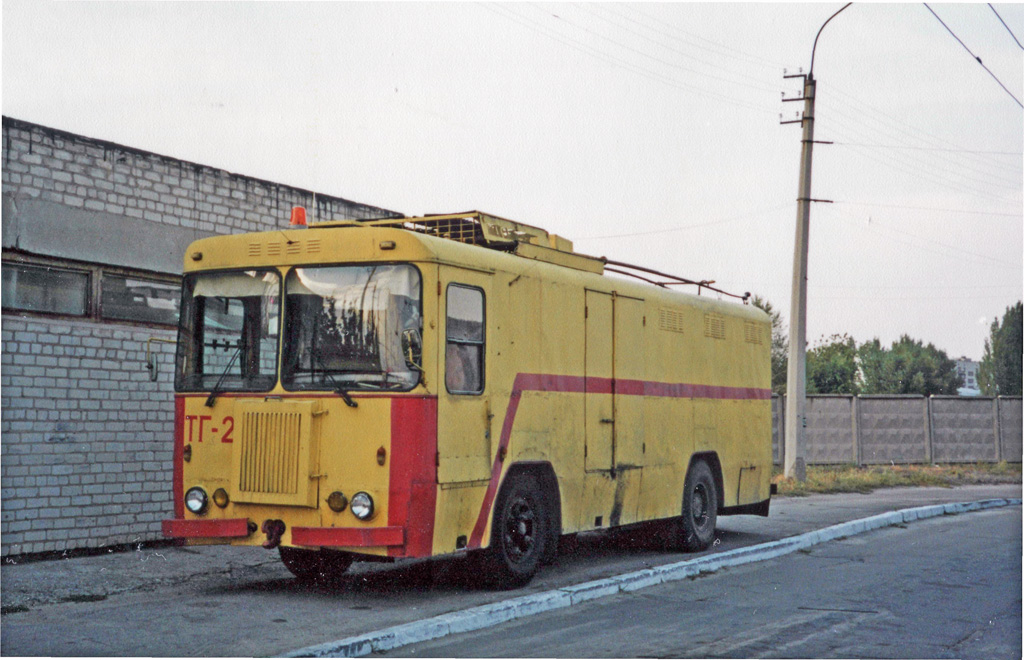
(464,352)
(129,298)
(46,285)
(45,289)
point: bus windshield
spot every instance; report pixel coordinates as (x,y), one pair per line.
(352,327)
(227,338)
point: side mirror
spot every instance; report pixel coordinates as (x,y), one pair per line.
(412,348)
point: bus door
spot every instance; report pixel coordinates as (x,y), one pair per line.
(464,413)
(598,409)
(615,374)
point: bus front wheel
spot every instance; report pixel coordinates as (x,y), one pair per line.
(519,533)
(700,509)
(321,566)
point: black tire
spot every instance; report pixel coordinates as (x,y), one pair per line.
(520,534)
(315,566)
(554,522)
(696,530)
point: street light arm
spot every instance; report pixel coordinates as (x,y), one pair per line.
(810,73)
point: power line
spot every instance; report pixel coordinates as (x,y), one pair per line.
(889,128)
(899,146)
(975,56)
(749,56)
(507,12)
(1005,25)
(967,254)
(761,83)
(951,172)
(647,55)
(685,227)
(885,118)
(928,208)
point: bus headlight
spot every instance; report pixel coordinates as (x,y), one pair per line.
(362,506)
(196,500)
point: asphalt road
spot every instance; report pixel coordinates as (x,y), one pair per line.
(224,601)
(943,588)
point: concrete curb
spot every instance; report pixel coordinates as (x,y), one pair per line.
(484,616)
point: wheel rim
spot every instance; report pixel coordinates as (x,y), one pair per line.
(518,530)
(699,506)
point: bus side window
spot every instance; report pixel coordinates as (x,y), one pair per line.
(464,351)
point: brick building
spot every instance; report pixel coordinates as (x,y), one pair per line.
(93,238)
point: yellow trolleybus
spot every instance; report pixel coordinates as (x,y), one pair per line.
(418,387)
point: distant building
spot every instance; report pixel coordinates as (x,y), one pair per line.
(968,370)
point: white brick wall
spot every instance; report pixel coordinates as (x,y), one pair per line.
(86,436)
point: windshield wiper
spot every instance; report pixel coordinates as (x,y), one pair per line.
(220,381)
(349,401)
(338,388)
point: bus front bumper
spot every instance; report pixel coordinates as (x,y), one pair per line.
(339,537)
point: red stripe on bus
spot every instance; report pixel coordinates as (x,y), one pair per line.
(178,474)
(592,385)
(412,489)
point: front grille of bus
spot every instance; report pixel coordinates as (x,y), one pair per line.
(269,452)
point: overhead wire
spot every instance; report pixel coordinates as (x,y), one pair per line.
(963,164)
(976,163)
(927,175)
(927,208)
(739,54)
(507,12)
(958,251)
(641,53)
(903,146)
(884,117)
(1005,25)
(606,8)
(978,59)
(686,227)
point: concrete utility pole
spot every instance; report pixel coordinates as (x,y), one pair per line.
(796,378)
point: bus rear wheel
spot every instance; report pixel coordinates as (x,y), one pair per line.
(319,566)
(520,534)
(696,528)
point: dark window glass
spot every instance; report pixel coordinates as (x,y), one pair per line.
(464,352)
(45,289)
(134,299)
(352,328)
(227,339)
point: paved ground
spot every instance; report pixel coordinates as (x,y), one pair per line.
(241,601)
(948,587)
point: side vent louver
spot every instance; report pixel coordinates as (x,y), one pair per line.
(670,319)
(752,333)
(714,325)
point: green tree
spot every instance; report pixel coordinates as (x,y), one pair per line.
(908,367)
(832,366)
(780,344)
(1000,371)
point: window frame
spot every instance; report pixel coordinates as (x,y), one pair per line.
(179,360)
(89,287)
(482,343)
(286,333)
(94,290)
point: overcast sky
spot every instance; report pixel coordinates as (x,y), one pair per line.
(648,133)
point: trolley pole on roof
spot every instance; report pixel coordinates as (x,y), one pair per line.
(795,464)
